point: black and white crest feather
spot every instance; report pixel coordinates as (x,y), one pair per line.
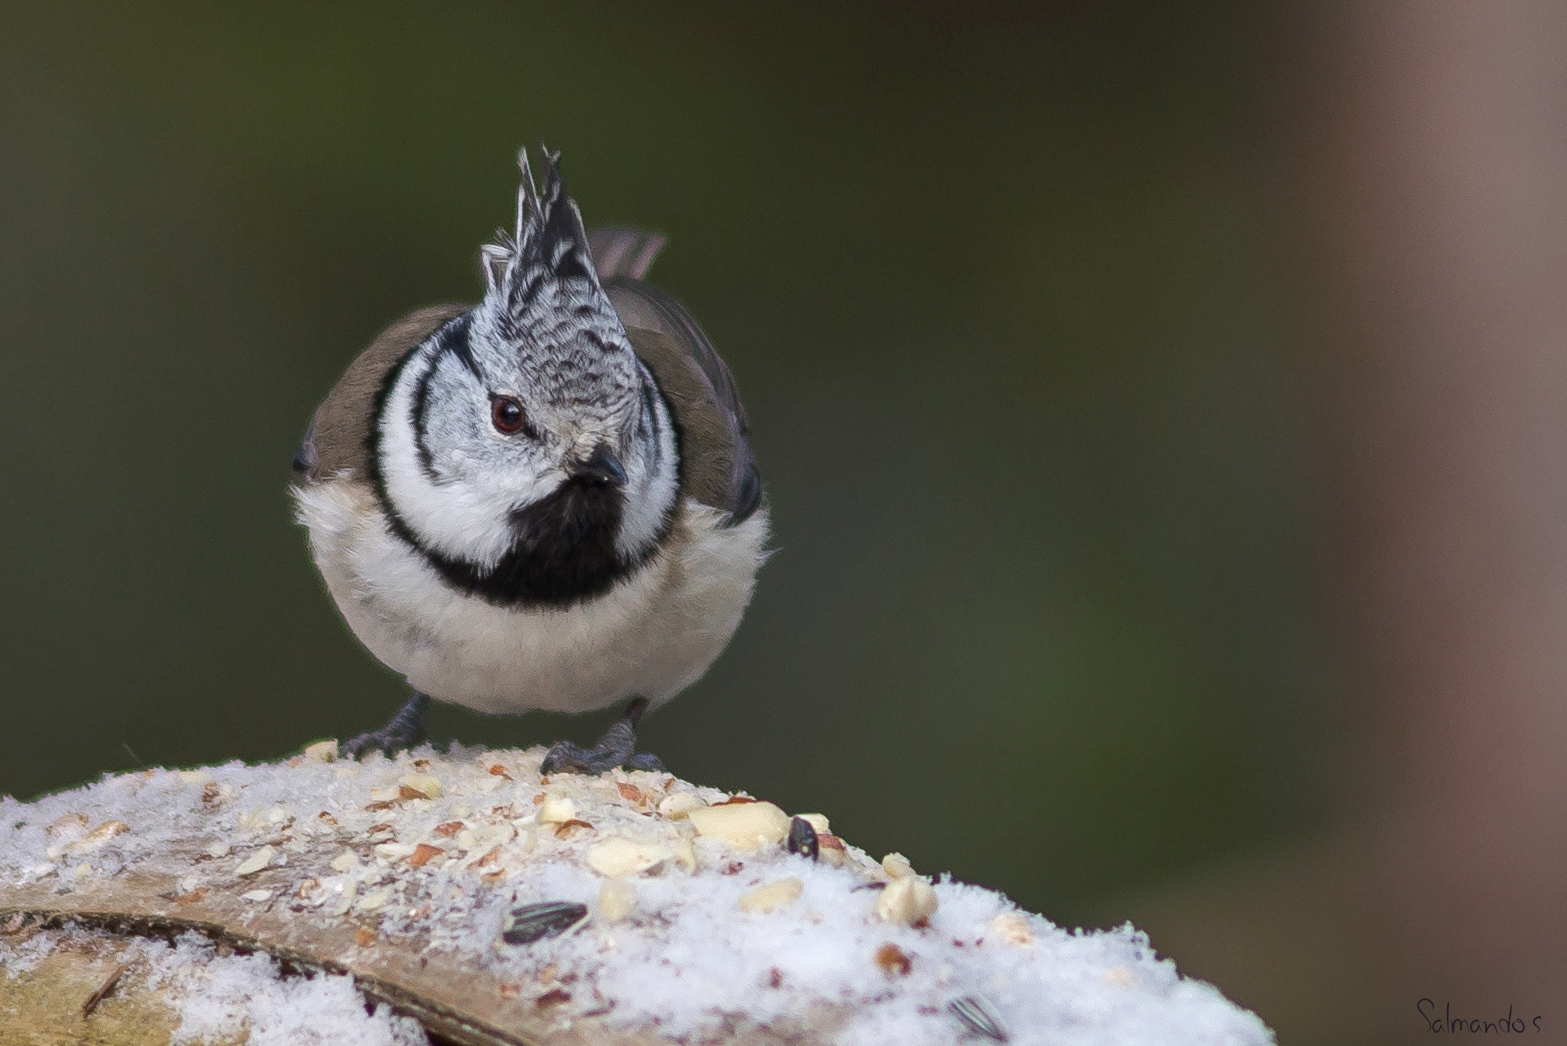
(532,272)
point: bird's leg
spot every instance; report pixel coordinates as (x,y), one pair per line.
(616,748)
(402,731)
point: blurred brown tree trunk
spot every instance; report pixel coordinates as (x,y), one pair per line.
(1443,182)
(1428,143)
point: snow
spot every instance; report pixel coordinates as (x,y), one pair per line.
(383,846)
(228,997)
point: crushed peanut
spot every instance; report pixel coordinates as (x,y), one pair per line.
(422,785)
(1014,929)
(772,896)
(557,809)
(618,856)
(744,826)
(256,862)
(423,854)
(818,822)
(617,899)
(894,961)
(676,806)
(322,751)
(909,901)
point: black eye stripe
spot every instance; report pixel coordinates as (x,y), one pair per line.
(454,340)
(418,417)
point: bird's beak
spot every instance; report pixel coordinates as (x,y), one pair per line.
(601,467)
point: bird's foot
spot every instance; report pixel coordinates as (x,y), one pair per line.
(403,731)
(616,748)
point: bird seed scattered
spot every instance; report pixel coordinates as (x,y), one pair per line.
(979,1017)
(772,896)
(537,922)
(802,838)
(745,826)
(907,901)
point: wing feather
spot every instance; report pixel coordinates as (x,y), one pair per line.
(338,439)
(717,465)
(621,251)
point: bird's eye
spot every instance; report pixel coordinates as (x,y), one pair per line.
(506,415)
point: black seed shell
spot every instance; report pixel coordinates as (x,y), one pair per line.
(535,922)
(802,838)
(979,1017)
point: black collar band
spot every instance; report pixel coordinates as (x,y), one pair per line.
(564,553)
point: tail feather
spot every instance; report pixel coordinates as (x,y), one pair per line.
(622,251)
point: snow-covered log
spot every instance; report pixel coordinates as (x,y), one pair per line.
(460,897)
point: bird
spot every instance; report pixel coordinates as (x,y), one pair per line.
(544,501)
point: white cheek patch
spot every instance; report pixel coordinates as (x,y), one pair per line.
(459,518)
(464,511)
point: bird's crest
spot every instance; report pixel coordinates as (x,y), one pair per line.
(537,265)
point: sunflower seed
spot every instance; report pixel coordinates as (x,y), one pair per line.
(802,838)
(535,922)
(979,1017)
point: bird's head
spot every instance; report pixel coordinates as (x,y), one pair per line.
(523,447)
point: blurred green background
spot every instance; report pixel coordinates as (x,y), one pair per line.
(1002,292)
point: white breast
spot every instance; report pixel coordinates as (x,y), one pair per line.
(653,635)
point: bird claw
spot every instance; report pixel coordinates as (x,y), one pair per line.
(402,732)
(616,748)
(644,761)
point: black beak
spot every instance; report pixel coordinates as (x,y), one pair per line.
(601,467)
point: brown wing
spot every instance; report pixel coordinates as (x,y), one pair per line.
(338,439)
(717,466)
(621,251)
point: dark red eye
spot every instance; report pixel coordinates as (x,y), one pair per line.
(506,415)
